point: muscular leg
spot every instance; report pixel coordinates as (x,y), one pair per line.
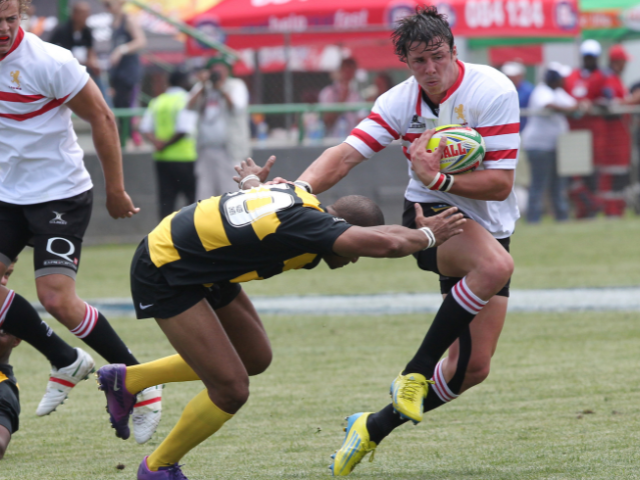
(246,333)
(486,267)
(199,337)
(57,293)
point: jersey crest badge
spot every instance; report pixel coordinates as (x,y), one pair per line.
(460,114)
(15,77)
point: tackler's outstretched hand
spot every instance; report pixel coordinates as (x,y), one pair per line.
(445,225)
(426,163)
(249,167)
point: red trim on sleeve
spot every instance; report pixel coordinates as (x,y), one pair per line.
(505,129)
(18,98)
(16,43)
(419,104)
(501,155)
(371,142)
(411,136)
(21,117)
(456,84)
(376,117)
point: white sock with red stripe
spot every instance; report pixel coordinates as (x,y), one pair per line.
(6,306)
(440,386)
(88,323)
(466,298)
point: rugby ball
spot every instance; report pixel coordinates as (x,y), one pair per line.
(464,151)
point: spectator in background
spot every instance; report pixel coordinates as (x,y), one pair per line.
(381,83)
(77,37)
(169,126)
(613,172)
(588,83)
(540,139)
(224,139)
(125,72)
(516,73)
(342,90)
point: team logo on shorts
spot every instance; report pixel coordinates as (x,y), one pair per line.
(58,219)
(15,78)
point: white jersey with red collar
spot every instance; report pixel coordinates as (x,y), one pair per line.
(482,98)
(40,159)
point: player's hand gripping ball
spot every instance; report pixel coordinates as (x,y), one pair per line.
(464,151)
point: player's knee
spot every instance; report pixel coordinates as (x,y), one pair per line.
(54,304)
(259,363)
(230,396)
(497,269)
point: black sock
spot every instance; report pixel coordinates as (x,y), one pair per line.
(23,321)
(451,321)
(382,423)
(96,332)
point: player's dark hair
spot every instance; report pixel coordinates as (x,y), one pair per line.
(359,210)
(426,26)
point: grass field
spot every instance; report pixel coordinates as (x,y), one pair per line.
(561,402)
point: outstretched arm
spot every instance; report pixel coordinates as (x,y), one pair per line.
(396,241)
(332,166)
(89,105)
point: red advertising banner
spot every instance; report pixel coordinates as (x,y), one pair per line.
(260,23)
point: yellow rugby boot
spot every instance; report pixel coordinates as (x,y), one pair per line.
(355,446)
(407,395)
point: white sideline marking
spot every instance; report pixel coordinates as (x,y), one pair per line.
(555,300)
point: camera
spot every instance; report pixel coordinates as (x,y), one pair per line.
(215,77)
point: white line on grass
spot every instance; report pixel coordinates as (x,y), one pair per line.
(555,300)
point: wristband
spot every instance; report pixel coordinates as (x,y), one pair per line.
(432,238)
(305,185)
(441,182)
(246,179)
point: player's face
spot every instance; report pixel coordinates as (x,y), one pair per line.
(618,66)
(5,278)
(336,261)
(435,70)
(9,24)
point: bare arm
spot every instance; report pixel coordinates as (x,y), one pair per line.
(395,241)
(493,185)
(89,105)
(5,438)
(332,166)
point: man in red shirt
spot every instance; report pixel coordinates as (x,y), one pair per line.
(613,171)
(588,83)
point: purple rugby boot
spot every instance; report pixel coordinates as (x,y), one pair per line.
(119,401)
(164,473)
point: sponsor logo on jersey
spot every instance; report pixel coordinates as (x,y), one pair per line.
(417,123)
(15,78)
(58,220)
(460,114)
(338,219)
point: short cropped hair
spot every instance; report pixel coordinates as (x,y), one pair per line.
(178,78)
(359,210)
(426,26)
(22,4)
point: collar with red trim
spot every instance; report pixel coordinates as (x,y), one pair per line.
(16,43)
(456,84)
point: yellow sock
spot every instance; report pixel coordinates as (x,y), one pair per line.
(165,370)
(200,419)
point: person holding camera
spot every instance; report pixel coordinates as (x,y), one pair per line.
(223,136)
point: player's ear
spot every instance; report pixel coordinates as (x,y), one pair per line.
(454,52)
(16,342)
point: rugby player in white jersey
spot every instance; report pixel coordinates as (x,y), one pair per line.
(46,194)
(474,267)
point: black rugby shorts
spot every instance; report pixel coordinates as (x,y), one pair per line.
(153,297)
(54,229)
(428,259)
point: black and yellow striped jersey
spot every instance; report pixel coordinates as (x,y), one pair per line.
(9,399)
(242,236)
